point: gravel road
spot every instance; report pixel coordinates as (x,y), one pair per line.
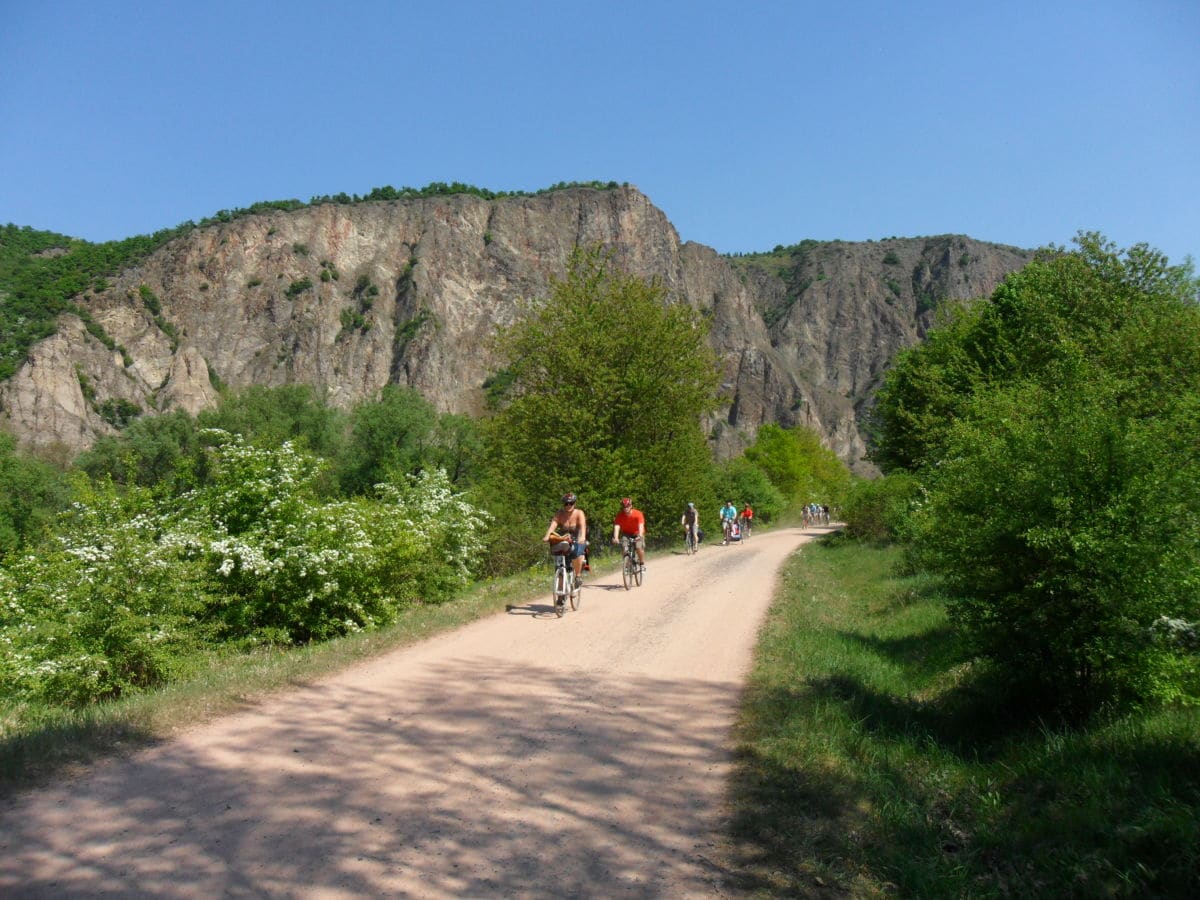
(520,756)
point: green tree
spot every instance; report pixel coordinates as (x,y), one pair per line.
(1061,499)
(607,383)
(878,509)
(391,435)
(743,482)
(161,450)
(269,416)
(1128,311)
(31,494)
(800,467)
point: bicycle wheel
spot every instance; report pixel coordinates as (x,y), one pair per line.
(576,594)
(560,591)
(627,571)
(638,572)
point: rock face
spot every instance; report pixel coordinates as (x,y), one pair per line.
(349,298)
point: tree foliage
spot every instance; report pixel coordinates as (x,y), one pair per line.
(1054,430)
(271,416)
(607,383)
(743,482)
(799,465)
(31,494)
(138,581)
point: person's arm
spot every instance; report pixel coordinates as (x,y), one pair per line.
(616,532)
(550,530)
(642,527)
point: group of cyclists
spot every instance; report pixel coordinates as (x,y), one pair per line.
(815,514)
(569,524)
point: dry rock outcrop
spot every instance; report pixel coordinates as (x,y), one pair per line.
(349,298)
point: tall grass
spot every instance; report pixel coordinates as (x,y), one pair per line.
(874,761)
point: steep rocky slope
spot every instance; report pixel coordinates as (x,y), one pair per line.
(349,298)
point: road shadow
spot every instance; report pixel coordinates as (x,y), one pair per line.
(480,779)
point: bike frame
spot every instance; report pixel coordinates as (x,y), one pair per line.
(631,569)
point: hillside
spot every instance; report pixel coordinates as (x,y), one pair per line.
(349,297)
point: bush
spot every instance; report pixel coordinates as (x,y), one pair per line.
(1068,530)
(136,584)
(878,510)
(105,609)
(743,482)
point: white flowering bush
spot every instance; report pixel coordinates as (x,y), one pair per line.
(103,609)
(287,565)
(134,584)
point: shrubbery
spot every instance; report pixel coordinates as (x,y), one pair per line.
(879,510)
(1053,429)
(135,584)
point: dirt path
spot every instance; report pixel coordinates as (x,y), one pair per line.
(520,756)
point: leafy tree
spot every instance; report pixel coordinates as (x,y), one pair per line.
(1127,311)
(160,450)
(743,482)
(1061,501)
(270,416)
(924,390)
(31,494)
(608,383)
(394,434)
(878,509)
(800,467)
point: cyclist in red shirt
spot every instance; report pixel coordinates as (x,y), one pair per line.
(631,523)
(747,517)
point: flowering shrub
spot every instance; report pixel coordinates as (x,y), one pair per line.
(134,585)
(103,609)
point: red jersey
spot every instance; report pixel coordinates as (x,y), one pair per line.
(629,521)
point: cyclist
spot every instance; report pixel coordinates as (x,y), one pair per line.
(630,522)
(747,516)
(691,522)
(571,521)
(728,515)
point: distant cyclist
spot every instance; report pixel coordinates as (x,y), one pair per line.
(747,517)
(691,523)
(571,522)
(630,522)
(728,517)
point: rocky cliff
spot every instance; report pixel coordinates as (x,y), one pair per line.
(349,298)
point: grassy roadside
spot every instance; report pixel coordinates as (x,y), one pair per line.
(869,764)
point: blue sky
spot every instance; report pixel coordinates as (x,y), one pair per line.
(749,124)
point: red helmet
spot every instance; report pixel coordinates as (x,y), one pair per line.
(625,501)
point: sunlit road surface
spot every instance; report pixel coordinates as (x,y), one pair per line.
(521,756)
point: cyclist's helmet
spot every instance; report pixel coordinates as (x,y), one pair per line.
(691,505)
(625,501)
(568,499)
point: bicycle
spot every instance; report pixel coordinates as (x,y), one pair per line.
(689,539)
(566,588)
(726,529)
(631,570)
(746,525)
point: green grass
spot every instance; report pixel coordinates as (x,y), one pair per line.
(873,761)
